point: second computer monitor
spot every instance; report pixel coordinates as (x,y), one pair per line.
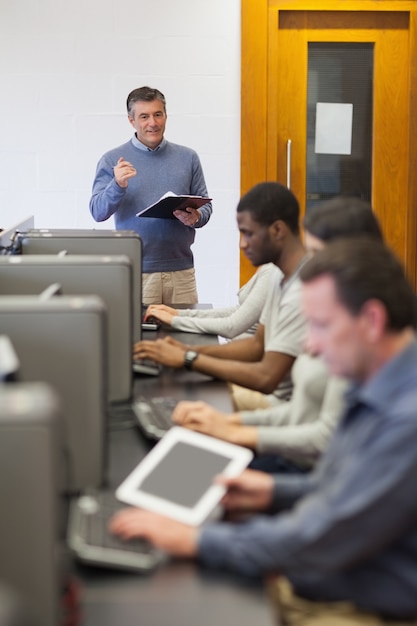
(109,277)
(88,241)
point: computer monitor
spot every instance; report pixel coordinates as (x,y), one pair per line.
(62,341)
(32,564)
(8,235)
(9,362)
(89,241)
(13,610)
(50,291)
(109,277)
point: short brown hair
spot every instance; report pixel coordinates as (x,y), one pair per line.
(342,216)
(365,269)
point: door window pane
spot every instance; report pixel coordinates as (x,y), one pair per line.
(340,73)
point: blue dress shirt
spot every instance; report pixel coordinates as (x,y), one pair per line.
(351,531)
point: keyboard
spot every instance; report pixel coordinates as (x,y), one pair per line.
(150,325)
(154,414)
(92,543)
(146,366)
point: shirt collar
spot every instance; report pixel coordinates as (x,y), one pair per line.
(138,144)
(388,381)
(285,282)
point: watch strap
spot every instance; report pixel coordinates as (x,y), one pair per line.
(189,358)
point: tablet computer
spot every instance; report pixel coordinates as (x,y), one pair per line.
(176,477)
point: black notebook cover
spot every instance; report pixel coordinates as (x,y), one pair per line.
(166,206)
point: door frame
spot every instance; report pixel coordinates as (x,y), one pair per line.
(257,16)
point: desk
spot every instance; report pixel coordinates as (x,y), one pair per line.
(179,593)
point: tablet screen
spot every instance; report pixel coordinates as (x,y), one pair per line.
(184,474)
(176,478)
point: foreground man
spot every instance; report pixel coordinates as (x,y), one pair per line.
(344,538)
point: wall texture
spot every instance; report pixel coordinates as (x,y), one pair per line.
(65,71)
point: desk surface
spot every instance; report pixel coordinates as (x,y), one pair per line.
(178,593)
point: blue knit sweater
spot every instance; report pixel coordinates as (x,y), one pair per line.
(171,167)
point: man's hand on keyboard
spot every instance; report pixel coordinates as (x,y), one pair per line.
(165,351)
(169,535)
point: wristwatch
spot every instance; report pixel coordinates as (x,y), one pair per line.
(189,358)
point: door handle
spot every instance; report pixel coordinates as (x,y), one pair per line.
(289,142)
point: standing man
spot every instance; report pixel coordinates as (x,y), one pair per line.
(344,543)
(135,175)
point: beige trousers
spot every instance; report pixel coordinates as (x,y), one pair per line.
(292,610)
(169,287)
(245,399)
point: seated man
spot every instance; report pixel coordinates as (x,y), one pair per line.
(267,218)
(291,436)
(346,536)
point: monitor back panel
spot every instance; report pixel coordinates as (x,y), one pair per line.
(31,538)
(88,241)
(12,608)
(8,235)
(62,342)
(109,277)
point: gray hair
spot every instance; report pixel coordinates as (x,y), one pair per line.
(144,94)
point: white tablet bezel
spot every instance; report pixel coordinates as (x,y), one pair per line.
(129,491)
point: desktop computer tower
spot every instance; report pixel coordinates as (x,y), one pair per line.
(33,559)
(12,608)
(89,241)
(62,342)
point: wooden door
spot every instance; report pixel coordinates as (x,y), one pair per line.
(293,28)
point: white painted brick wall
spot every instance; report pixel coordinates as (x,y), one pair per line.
(65,71)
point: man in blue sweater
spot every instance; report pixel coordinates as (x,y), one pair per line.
(342,539)
(135,175)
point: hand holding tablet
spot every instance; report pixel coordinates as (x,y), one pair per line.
(176,477)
